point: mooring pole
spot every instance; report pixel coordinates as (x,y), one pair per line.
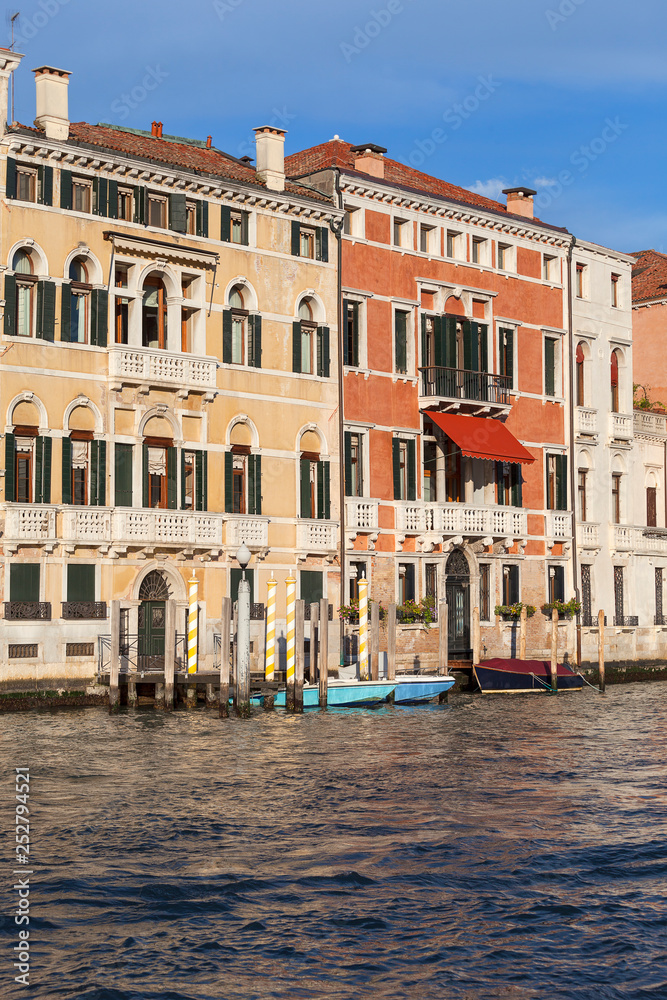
(314,632)
(324,652)
(169,654)
(243,655)
(270,661)
(225,638)
(443,639)
(601,650)
(300,613)
(363,629)
(522,633)
(291,643)
(391,642)
(375,640)
(554,649)
(114,664)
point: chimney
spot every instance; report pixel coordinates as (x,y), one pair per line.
(9,61)
(153,128)
(159,130)
(369,159)
(209,141)
(51,85)
(520,201)
(270,146)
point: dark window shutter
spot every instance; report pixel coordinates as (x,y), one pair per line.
(67,470)
(423,342)
(296,236)
(311,586)
(199,480)
(172,502)
(255,353)
(396,458)
(183,479)
(516,486)
(229,482)
(24,582)
(500,484)
(123,474)
(66,189)
(46,309)
(483,347)
(244,228)
(346,312)
(140,204)
(145,495)
(65,311)
(327,491)
(549,367)
(296,346)
(100,188)
(10,305)
(10,181)
(225,223)
(412,478)
(440,345)
(322,244)
(323,491)
(178,213)
(80,582)
(98,478)
(323,351)
(202,469)
(348,463)
(99,317)
(202,218)
(450,342)
(254,484)
(227,336)
(561,482)
(305,488)
(46,185)
(470,346)
(43,452)
(509,357)
(112,207)
(354,360)
(10,459)
(401,341)
(651,507)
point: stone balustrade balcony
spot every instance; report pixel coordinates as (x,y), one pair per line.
(467,520)
(361,515)
(316,537)
(559,525)
(248,528)
(586,421)
(621,426)
(145,366)
(30,523)
(588,535)
(137,527)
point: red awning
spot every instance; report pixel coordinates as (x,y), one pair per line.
(481,437)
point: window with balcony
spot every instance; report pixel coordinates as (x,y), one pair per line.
(556,482)
(454,485)
(405,482)
(121,305)
(83,469)
(27,466)
(616,486)
(354,470)
(194,479)
(154,314)
(243,481)
(506,354)
(80,582)
(159,474)
(123,474)
(509,484)
(315,487)
(511,589)
(351,333)
(311,586)
(24,582)
(556,583)
(310,343)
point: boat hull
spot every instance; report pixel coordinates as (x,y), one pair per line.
(523,677)
(343,694)
(419,690)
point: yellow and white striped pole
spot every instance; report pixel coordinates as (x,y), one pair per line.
(363,628)
(291,630)
(192,624)
(270,667)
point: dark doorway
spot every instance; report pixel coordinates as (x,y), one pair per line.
(458,606)
(153,594)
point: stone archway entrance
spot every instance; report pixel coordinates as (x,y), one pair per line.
(457,586)
(153,594)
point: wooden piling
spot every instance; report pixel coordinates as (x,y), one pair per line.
(601,682)
(522,633)
(191,696)
(443,639)
(225,627)
(476,636)
(324,652)
(314,634)
(554,649)
(375,641)
(169,654)
(299,668)
(391,642)
(114,664)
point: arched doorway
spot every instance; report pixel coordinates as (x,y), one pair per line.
(153,594)
(458,606)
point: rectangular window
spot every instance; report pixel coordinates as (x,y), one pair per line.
(239,479)
(583,500)
(311,586)
(157,477)
(82,195)
(122,320)
(26,184)
(454,492)
(504,257)
(24,450)
(352,222)
(616,498)
(354,479)
(238,338)
(557,482)
(351,334)
(24,582)
(307,243)
(315,488)
(478,250)
(25,293)
(506,354)
(651,507)
(307,341)
(401,342)
(125,204)
(406,582)
(191,218)
(403,469)
(426,239)
(357,572)
(400,230)
(431,581)
(80,582)
(430,488)
(549,265)
(580,281)
(550,355)
(619,595)
(615,279)
(556,583)
(123,474)
(509,484)
(403,455)
(485,592)
(453,243)
(235,577)
(510,585)
(157,211)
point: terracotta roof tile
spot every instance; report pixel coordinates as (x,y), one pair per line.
(649,276)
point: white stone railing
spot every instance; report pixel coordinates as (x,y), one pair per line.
(87,524)
(151,367)
(248,528)
(588,535)
(559,524)
(316,536)
(586,420)
(129,525)
(628,538)
(621,426)
(649,423)
(30,522)
(361,514)
(461,519)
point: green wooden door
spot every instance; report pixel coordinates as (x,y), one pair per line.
(151,635)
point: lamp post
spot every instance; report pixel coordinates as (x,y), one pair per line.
(242,687)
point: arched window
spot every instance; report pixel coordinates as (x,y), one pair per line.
(27,458)
(26,283)
(651,501)
(614,382)
(79,301)
(239,325)
(154,318)
(159,465)
(241,332)
(243,473)
(581,390)
(310,345)
(314,479)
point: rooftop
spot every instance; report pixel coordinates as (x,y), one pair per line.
(649,276)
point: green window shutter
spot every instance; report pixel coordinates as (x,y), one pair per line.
(311,586)
(305,488)
(46,309)
(45,185)
(354,360)
(549,367)
(199,481)
(251,484)
(24,582)
(296,346)
(423,342)
(245,216)
(140,204)
(182,478)
(296,237)
(99,298)
(348,463)
(235,577)
(172,503)
(255,494)
(346,351)
(10,459)
(450,342)
(10,305)
(500,484)
(509,356)
(80,582)
(225,223)
(145,497)
(323,492)
(396,458)
(98,473)
(202,218)
(112,207)
(412,476)
(401,341)
(323,352)
(322,244)
(67,470)
(43,451)
(440,352)
(470,346)
(100,188)
(561,482)
(65,311)
(255,353)
(229,482)
(227,336)
(178,213)
(517,484)
(203,457)
(66,189)
(483,347)
(123,475)
(10,179)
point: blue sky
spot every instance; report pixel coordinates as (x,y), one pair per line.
(567,96)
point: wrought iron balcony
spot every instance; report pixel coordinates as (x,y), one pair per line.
(626,621)
(455,383)
(27,611)
(83,610)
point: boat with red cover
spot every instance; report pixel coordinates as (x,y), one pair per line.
(523,676)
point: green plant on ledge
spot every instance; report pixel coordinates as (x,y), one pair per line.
(514,610)
(349,613)
(411,612)
(565,609)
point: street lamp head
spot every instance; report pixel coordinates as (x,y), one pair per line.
(243,556)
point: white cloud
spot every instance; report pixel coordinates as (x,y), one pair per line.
(493,188)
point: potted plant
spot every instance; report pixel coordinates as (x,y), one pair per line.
(512,612)
(565,609)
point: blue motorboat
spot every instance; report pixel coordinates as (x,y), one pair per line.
(417,690)
(343,694)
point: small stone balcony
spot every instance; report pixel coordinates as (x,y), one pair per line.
(149,368)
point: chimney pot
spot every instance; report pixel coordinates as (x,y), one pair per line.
(51,86)
(270,146)
(9,61)
(209,141)
(159,130)
(520,201)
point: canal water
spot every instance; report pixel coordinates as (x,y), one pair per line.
(499,847)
